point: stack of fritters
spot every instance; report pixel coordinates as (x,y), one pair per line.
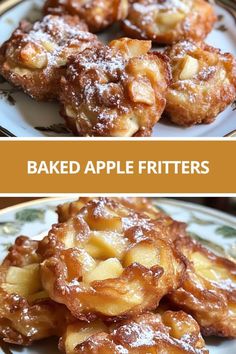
(116,276)
(122,89)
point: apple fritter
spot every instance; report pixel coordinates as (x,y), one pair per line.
(204,83)
(98,14)
(169,333)
(208,292)
(170,227)
(116,90)
(26,312)
(108,260)
(169,21)
(143,205)
(35,56)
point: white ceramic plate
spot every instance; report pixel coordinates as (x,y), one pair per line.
(21,118)
(215,229)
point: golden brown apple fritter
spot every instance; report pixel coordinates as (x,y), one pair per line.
(35,56)
(143,205)
(208,292)
(26,312)
(108,260)
(169,333)
(203,85)
(98,14)
(170,227)
(117,90)
(169,21)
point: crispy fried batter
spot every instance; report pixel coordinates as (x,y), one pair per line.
(208,292)
(34,57)
(26,312)
(115,90)
(169,333)
(169,21)
(108,260)
(98,14)
(204,83)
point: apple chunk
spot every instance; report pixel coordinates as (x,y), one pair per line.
(23,281)
(171,18)
(131,47)
(79,332)
(110,221)
(145,254)
(111,268)
(191,68)
(103,245)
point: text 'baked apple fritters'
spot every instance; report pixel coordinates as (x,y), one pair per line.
(208,291)
(108,260)
(35,56)
(98,14)
(203,85)
(170,332)
(26,311)
(169,21)
(115,90)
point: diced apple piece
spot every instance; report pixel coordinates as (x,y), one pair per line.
(27,278)
(109,269)
(33,56)
(28,274)
(119,303)
(191,67)
(48,45)
(144,254)
(141,91)
(18,289)
(103,245)
(177,328)
(208,270)
(78,333)
(15,289)
(131,127)
(147,68)
(87,262)
(69,240)
(108,222)
(131,47)
(16,275)
(199,260)
(171,18)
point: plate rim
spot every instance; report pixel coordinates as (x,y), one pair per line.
(173,202)
(7,5)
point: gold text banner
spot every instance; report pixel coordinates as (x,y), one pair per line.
(95,166)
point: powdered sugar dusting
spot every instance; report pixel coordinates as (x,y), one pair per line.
(58,37)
